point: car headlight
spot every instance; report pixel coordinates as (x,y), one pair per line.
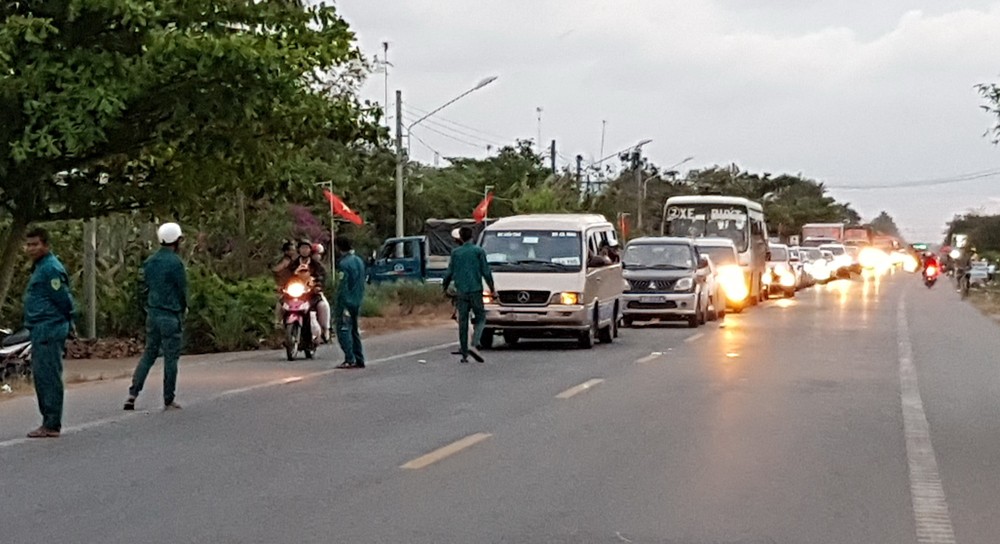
(780,268)
(733,284)
(488,297)
(787,279)
(684,284)
(569,299)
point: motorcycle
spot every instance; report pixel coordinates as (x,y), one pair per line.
(15,354)
(297,310)
(930,275)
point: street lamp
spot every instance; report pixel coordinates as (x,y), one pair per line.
(399,142)
(645,184)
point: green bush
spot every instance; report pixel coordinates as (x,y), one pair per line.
(228,315)
(407,294)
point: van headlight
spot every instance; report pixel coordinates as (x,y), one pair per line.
(569,299)
(684,284)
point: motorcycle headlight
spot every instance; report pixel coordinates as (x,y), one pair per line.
(295,289)
(684,284)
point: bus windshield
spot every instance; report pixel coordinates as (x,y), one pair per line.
(716,220)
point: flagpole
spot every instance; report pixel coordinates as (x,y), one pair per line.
(486,194)
(333,232)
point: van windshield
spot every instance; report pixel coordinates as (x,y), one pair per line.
(658,256)
(533,250)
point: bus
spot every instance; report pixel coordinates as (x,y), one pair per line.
(739,219)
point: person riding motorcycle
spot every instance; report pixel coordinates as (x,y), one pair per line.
(312,272)
(928,259)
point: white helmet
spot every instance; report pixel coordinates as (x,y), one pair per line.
(169,233)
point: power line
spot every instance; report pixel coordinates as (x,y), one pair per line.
(450,137)
(457,124)
(450,130)
(425,144)
(960,178)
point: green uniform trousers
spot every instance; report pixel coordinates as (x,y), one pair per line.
(349,335)
(163,333)
(466,303)
(46,370)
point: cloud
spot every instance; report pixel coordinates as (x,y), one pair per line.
(848,92)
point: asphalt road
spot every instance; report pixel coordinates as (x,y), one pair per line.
(860,412)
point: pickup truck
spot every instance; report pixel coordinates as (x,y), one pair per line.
(419,258)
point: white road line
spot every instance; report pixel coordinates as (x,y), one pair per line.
(930,508)
(693,337)
(649,358)
(225,394)
(573,391)
(447,451)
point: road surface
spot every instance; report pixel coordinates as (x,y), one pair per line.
(859,412)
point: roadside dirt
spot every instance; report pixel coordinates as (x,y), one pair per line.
(114,358)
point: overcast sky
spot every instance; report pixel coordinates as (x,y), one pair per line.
(849,92)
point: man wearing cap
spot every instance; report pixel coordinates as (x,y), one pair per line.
(48,316)
(166,305)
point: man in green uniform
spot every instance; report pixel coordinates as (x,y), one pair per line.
(468,269)
(166,304)
(347,306)
(48,316)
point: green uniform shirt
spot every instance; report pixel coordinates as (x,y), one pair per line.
(166,281)
(468,268)
(351,287)
(48,304)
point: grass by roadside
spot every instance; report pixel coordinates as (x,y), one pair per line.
(987,300)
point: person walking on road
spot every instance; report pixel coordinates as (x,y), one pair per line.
(468,269)
(350,293)
(48,316)
(166,305)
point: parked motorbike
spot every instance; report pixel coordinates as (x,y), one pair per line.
(931,274)
(297,310)
(15,354)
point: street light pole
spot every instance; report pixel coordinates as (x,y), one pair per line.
(636,156)
(399,163)
(399,142)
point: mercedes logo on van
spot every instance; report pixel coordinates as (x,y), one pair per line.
(653,286)
(523,297)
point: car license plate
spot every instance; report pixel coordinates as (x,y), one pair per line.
(652,300)
(525,317)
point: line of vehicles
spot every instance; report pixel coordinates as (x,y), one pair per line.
(568,276)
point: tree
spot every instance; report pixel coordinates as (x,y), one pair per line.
(991,92)
(885,224)
(116,105)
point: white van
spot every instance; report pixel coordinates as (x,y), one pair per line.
(556,275)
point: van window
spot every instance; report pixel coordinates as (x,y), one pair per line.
(534,250)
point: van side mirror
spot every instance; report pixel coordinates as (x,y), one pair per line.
(767,255)
(703,262)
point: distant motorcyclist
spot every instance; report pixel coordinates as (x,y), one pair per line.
(928,260)
(313,274)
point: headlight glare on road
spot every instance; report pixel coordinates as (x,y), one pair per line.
(684,284)
(733,284)
(569,299)
(910,264)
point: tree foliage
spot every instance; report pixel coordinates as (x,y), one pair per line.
(983,231)
(114,105)
(991,93)
(885,224)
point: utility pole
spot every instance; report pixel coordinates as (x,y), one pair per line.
(579,171)
(638,188)
(552,155)
(538,110)
(399,164)
(90,275)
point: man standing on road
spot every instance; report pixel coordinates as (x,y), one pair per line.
(350,293)
(48,316)
(468,269)
(166,305)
